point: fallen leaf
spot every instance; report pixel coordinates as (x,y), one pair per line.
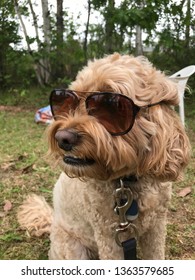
(28,169)
(2,214)
(7,206)
(185,192)
(7,165)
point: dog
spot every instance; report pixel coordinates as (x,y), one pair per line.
(118,141)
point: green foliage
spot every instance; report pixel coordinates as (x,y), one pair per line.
(21,70)
(8,35)
(165,23)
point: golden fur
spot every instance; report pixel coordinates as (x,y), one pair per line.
(156,150)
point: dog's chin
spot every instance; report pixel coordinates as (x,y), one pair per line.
(83,168)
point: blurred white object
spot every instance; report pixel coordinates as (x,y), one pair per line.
(181,77)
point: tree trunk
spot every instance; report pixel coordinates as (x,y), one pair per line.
(139,46)
(109,26)
(17,10)
(59,21)
(46,23)
(188,21)
(87,31)
(46,32)
(37,67)
(35,24)
(60,40)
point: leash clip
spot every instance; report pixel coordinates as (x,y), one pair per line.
(120,230)
(124,198)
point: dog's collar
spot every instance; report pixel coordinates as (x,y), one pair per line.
(127,180)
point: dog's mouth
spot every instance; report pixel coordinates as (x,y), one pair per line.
(75,161)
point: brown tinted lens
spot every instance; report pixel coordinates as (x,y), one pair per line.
(62,102)
(114,111)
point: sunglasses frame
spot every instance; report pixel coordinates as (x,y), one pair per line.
(135,107)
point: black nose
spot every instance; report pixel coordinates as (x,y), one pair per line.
(66,139)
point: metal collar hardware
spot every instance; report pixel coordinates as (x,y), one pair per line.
(123,197)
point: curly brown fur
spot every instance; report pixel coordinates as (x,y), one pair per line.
(156,150)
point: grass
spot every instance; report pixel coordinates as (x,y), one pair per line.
(23,169)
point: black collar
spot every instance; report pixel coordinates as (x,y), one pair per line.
(129,179)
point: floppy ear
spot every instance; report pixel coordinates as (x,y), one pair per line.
(169,146)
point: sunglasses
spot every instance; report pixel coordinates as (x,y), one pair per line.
(114,111)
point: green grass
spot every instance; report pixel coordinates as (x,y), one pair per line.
(24,169)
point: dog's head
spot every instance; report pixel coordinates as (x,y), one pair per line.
(89,138)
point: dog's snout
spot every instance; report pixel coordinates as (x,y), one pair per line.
(66,139)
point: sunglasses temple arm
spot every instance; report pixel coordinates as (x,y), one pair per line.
(151,105)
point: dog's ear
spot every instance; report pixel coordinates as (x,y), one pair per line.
(169,148)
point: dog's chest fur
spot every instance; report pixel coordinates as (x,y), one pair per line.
(86,209)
